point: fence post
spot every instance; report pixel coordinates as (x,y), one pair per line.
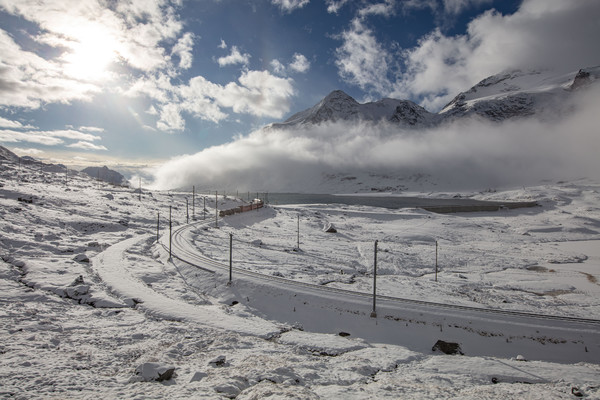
(170,232)
(187,211)
(194,203)
(374,312)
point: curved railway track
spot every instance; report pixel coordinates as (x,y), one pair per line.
(183,251)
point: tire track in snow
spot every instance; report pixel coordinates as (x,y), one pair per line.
(112,266)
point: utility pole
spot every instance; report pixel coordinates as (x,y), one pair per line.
(436,259)
(230,259)
(170,232)
(374,312)
(187,211)
(216,209)
(298,230)
(194,203)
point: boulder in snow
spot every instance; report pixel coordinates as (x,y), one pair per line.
(152,371)
(447,347)
(220,361)
(329,228)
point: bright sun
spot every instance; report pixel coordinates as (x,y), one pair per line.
(89,57)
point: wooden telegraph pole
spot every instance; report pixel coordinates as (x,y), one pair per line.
(374,312)
(230,258)
(436,259)
(216,209)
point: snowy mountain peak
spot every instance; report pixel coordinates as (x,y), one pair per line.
(338,105)
(585,77)
(515,93)
(510,94)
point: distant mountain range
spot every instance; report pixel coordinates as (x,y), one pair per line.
(105,174)
(513,94)
(102,173)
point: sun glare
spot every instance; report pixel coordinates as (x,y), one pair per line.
(89,57)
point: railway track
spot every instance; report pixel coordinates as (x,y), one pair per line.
(182,251)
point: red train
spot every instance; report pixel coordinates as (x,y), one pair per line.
(256,204)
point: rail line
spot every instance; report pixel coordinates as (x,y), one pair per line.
(181,251)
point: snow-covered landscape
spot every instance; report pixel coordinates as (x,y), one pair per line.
(296,199)
(92,306)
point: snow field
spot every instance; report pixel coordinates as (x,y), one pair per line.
(83,329)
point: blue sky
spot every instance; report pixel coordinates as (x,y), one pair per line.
(142,81)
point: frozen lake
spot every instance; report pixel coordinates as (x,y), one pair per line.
(394,202)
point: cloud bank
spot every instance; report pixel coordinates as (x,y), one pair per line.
(550,34)
(469,154)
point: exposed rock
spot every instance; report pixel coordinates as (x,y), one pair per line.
(198,377)
(329,228)
(152,371)
(105,174)
(220,361)
(447,347)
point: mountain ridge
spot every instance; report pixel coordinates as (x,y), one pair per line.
(507,95)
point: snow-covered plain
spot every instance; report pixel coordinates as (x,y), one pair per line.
(92,306)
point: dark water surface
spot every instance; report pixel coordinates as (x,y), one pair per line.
(394,202)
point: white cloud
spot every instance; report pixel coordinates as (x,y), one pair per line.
(183,49)
(28,80)
(87,146)
(222,45)
(256,93)
(49,138)
(362,60)
(151,110)
(91,129)
(7,123)
(29,152)
(548,34)
(290,5)
(278,67)
(235,57)
(442,8)
(455,7)
(170,118)
(469,154)
(300,63)
(88,40)
(334,6)
(386,8)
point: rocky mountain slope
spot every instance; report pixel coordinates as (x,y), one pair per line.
(512,94)
(102,173)
(105,174)
(338,106)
